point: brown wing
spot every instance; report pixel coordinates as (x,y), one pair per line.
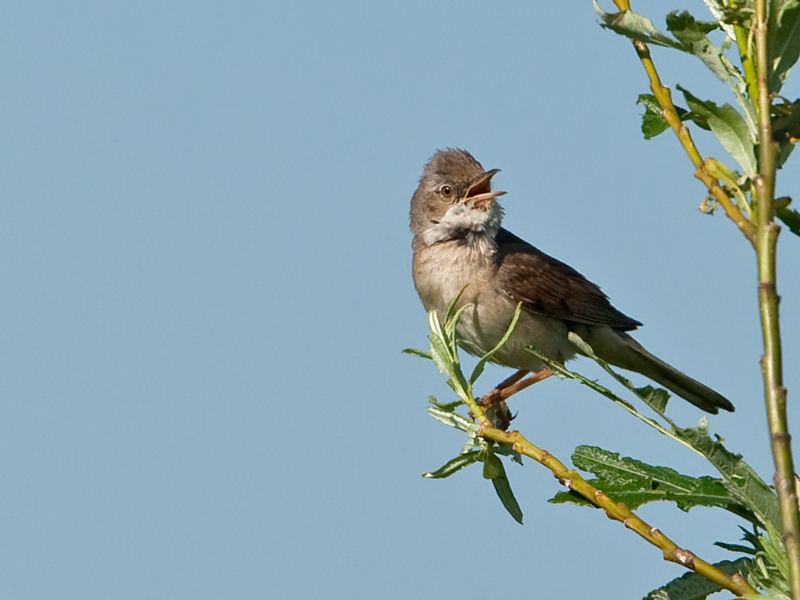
(547,286)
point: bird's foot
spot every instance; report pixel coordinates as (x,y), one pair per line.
(494,401)
(499,415)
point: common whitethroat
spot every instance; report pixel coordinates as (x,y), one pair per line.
(460,245)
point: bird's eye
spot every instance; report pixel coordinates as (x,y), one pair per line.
(446,191)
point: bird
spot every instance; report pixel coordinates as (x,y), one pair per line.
(460,247)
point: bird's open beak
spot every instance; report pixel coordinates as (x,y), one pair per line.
(480,194)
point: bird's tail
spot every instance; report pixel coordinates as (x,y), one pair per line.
(632,356)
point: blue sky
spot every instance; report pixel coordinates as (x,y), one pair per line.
(206,284)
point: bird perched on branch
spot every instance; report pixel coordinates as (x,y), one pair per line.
(459,244)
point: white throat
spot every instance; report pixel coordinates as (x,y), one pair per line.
(476,226)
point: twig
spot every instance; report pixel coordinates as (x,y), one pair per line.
(572,479)
(618,511)
(771,362)
(664,97)
(748,65)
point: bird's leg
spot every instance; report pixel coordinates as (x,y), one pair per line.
(494,402)
(494,395)
(510,386)
(518,386)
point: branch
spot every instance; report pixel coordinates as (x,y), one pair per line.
(618,511)
(444,353)
(664,97)
(771,361)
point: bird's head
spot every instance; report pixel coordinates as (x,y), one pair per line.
(454,199)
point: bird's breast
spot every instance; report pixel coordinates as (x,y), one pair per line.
(442,271)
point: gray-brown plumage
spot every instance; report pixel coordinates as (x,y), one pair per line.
(459,244)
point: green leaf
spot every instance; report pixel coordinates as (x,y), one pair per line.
(692,586)
(785,44)
(473,443)
(451,308)
(503,489)
(445,332)
(770,570)
(729,127)
(445,354)
(563,373)
(450,330)
(571,497)
(635,483)
(775,552)
(478,370)
(691,38)
(458,463)
(635,27)
(508,450)
(416,352)
(735,548)
(440,355)
(653,121)
(655,398)
(790,217)
(739,478)
(779,7)
(493,469)
(785,149)
(693,35)
(445,406)
(698,119)
(450,418)
(492,466)
(720,11)
(694,40)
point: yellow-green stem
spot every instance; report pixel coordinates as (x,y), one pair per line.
(771,362)
(664,97)
(618,511)
(748,65)
(745,47)
(473,406)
